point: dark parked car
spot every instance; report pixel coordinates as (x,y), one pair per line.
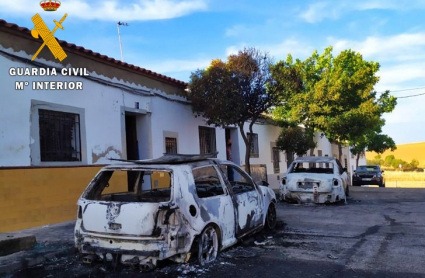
(368,174)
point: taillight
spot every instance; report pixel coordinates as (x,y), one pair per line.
(170,217)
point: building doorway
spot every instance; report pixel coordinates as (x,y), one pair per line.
(232,134)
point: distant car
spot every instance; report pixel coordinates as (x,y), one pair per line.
(315,179)
(140,212)
(369,175)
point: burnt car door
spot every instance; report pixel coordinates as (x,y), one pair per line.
(247,199)
(215,201)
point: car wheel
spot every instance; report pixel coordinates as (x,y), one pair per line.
(347,192)
(207,246)
(271,217)
(382,184)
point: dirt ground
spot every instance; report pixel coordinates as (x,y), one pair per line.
(379,233)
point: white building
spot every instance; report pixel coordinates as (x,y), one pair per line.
(52,141)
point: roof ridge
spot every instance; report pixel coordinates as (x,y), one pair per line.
(98,55)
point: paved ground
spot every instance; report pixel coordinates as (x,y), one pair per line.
(379,233)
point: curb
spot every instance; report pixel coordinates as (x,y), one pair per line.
(10,244)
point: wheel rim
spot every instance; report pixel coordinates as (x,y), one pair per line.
(208,246)
(271,216)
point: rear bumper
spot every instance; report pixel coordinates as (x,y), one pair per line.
(129,249)
(336,194)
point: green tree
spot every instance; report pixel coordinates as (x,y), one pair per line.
(294,140)
(234,92)
(388,160)
(334,95)
(372,141)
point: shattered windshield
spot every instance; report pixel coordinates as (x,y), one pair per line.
(131,186)
(312,167)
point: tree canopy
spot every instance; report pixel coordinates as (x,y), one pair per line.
(333,94)
(294,140)
(234,92)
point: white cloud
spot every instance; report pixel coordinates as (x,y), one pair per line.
(399,47)
(113,10)
(319,11)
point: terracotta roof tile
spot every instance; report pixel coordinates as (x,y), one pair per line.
(98,55)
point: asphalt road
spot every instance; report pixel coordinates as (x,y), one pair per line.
(380,232)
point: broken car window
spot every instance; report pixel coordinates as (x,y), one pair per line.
(239,180)
(207,182)
(312,167)
(131,186)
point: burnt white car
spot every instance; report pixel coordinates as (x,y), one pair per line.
(315,179)
(140,212)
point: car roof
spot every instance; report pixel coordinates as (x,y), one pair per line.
(315,159)
(166,161)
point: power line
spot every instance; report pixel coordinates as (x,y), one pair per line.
(412,96)
(410,89)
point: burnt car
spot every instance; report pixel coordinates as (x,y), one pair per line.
(369,175)
(138,213)
(315,179)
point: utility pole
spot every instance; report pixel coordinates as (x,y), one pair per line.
(119,36)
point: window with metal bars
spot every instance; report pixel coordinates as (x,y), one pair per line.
(276,160)
(170,145)
(59,136)
(207,140)
(255,153)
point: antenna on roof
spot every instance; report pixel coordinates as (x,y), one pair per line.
(119,36)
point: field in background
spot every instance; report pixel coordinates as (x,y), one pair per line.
(406,152)
(404,179)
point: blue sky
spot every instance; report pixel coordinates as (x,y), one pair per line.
(175,37)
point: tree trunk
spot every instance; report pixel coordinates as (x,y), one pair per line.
(339,151)
(247,141)
(357,160)
(289,159)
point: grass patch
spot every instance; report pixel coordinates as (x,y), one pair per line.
(404,176)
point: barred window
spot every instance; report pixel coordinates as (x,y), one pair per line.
(255,153)
(170,145)
(59,136)
(207,140)
(276,160)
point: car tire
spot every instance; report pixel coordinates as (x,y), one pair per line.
(208,245)
(347,192)
(271,217)
(382,184)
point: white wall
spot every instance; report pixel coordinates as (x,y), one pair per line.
(102,107)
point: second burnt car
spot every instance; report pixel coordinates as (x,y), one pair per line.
(140,212)
(315,179)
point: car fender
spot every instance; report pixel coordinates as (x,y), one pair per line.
(268,197)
